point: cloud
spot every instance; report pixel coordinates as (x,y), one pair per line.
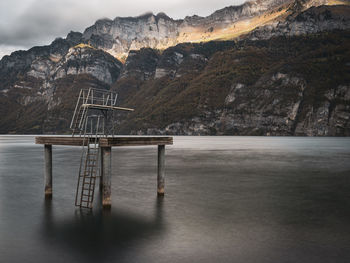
(27,23)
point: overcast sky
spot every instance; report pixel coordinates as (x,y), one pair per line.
(28,23)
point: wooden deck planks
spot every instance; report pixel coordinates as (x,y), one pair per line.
(106,142)
(135,141)
(53,140)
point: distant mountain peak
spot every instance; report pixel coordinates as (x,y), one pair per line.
(123,34)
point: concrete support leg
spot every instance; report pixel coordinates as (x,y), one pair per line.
(101,169)
(161,170)
(48,171)
(107,174)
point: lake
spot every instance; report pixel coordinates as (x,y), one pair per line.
(228,199)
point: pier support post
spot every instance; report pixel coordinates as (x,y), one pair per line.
(107,174)
(101,169)
(48,170)
(161,170)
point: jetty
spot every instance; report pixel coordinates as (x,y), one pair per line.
(93,129)
(106,145)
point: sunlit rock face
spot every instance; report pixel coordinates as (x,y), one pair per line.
(313,20)
(121,35)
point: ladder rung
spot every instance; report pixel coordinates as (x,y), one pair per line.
(87,173)
(83,206)
(87,188)
(87,183)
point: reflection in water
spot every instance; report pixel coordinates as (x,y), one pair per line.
(94,234)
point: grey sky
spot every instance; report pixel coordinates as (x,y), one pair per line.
(27,23)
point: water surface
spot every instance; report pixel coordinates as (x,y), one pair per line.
(228,199)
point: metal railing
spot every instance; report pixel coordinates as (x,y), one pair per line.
(90,96)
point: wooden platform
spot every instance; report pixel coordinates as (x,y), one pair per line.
(105,142)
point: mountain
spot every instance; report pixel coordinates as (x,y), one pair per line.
(36,81)
(275,68)
(281,86)
(312,20)
(121,35)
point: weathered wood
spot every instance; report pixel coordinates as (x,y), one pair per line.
(107,176)
(53,140)
(161,170)
(48,170)
(105,142)
(135,141)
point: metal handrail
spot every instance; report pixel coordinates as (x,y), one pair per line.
(75,110)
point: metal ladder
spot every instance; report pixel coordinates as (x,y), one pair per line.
(89,163)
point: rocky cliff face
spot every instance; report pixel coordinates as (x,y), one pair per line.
(32,81)
(281,86)
(313,20)
(121,35)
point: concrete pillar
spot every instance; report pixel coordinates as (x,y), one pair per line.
(107,174)
(161,170)
(101,169)
(48,170)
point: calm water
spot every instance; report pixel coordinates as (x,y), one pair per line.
(228,199)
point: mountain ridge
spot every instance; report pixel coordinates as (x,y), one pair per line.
(120,35)
(196,88)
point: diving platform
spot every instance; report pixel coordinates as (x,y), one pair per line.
(105,144)
(104,107)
